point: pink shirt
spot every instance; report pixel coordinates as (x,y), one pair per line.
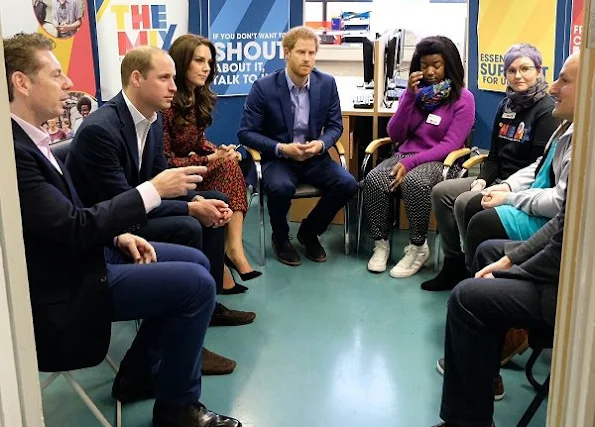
(148,192)
(40,138)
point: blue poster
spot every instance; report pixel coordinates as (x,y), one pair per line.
(247,35)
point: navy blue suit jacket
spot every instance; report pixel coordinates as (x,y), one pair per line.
(268,120)
(103,157)
(64,245)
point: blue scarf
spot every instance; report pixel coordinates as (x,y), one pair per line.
(429,98)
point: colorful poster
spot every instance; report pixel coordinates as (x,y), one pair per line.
(501,24)
(67,23)
(125,24)
(576,26)
(248,41)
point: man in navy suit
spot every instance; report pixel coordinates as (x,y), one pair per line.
(293,117)
(85,271)
(121,145)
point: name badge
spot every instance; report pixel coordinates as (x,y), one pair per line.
(510,115)
(433,119)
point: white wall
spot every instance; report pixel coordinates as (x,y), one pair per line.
(17,15)
(417,16)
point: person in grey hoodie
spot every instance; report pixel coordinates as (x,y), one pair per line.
(523,203)
(481,309)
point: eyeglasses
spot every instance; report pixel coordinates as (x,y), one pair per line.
(524,70)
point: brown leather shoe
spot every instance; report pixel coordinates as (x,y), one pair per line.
(214,364)
(223,316)
(516,342)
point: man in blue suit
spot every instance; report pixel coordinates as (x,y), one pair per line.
(85,271)
(121,146)
(293,117)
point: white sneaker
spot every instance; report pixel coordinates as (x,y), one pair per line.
(414,259)
(377,263)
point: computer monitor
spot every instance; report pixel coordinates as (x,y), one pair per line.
(391,58)
(368,52)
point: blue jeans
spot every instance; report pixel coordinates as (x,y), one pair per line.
(175,297)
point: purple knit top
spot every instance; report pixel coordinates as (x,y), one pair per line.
(431,142)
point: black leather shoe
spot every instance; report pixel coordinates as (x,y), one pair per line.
(309,239)
(223,316)
(190,416)
(286,253)
(450,425)
(453,271)
(129,389)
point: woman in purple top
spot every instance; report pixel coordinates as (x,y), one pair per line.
(434,117)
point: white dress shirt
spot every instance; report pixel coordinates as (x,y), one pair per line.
(142,125)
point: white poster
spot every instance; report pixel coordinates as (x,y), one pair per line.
(125,24)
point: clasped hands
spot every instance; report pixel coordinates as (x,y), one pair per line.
(177,182)
(494,196)
(225,152)
(300,152)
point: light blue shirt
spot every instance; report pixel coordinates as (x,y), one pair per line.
(300,107)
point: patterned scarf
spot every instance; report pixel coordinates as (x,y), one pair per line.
(429,98)
(519,101)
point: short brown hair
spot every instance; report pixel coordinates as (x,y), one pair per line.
(20,55)
(292,36)
(138,59)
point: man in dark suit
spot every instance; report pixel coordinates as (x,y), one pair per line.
(293,117)
(85,271)
(121,145)
(500,297)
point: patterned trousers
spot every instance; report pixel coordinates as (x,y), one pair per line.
(415,191)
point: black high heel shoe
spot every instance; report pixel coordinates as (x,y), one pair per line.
(237,289)
(244,276)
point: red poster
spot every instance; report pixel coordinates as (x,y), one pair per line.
(67,23)
(576,26)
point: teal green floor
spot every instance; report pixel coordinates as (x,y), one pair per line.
(332,345)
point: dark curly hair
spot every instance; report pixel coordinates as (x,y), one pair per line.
(203,99)
(453,66)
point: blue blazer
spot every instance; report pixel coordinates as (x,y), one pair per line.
(268,120)
(64,245)
(103,157)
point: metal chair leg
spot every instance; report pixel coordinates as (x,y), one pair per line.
(360,211)
(346,228)
(529,368)
(535,403)
(86,399)
(437,252)
(261,227)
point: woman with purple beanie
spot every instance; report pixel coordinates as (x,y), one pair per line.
(522,127)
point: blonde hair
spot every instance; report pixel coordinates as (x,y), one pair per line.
(138,59)
(296,33)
